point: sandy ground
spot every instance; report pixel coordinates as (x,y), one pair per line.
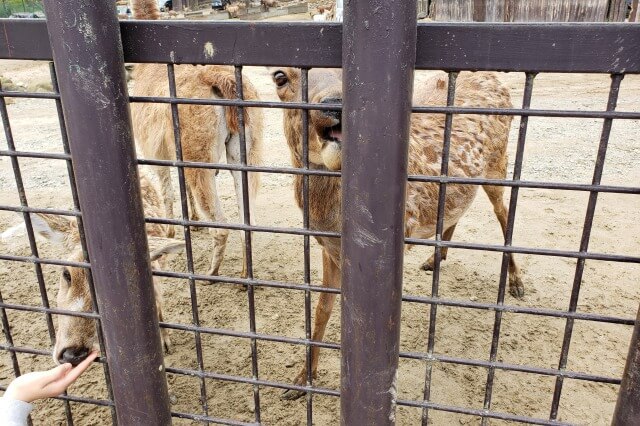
(562,150)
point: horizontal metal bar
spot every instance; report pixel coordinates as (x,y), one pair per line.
(247,380)
(244,281)
(628,115)
(526,184)
(518,309)
(331,392)
(42,309)
(79,399)
(243,227)
(235,102)
(43,261)
(409,355)
(208,419)
(31,351)
(247,168)
(26,209)
(510,367)
(534,47)
(524,250)
(479,412)
(31,95)
(32,154)
(406,298)
(249,335)
(403,354)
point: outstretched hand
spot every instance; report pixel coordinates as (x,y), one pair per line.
(45,384)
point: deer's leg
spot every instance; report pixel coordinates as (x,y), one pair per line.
(331,279)
(446,236)
(233,157)
(164,333)
(203,189)
(193,211)
(495,194)
(164,175)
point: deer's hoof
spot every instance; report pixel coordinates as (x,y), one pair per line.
(516,288)
(427,266)
(292,394)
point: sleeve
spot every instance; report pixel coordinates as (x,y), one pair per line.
(14,412)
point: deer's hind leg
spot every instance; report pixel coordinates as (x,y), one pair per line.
(446,236)
(498,170)
(202,184)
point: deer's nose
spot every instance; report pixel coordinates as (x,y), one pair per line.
(332,114)
(73,355)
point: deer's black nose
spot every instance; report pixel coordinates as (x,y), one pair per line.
(73,355)
(332,114)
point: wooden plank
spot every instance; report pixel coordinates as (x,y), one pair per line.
(455,46)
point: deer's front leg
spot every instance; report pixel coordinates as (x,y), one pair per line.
(330,279)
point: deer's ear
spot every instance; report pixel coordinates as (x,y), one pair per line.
(159,247)
(57,229)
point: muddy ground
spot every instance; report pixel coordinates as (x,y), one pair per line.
(562,150)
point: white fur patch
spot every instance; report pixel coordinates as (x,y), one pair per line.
(76,306)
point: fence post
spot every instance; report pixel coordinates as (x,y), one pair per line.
(379,51)
(87,50)
(628,406)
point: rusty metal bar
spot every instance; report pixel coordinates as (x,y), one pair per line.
(376,127)
(248,253)
(442,191)
(90,69)
(513,203)
(304,76)
(184,207)
(614,90)
(627,410)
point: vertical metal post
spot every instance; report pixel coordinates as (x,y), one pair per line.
(377,87)
(627,410)
(87,50)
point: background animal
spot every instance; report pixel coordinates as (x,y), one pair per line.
(207,134)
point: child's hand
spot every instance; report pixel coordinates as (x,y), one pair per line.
(45,384)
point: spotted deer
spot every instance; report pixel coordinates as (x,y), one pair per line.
(478,150)
(207,134)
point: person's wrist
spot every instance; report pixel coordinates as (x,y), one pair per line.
(13,392)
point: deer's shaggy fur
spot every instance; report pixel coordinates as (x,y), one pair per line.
(206,133)
(478,149)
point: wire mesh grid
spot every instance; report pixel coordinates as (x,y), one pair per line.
(430,355)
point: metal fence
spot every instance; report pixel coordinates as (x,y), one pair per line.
(108,208)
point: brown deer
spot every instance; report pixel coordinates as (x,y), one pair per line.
(478,149)
(207,132)
(76,336)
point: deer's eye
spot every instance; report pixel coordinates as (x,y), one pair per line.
(280,78)
(66,275)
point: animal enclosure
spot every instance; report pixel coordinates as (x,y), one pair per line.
(461,349)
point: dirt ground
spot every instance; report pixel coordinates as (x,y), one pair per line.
(562,150)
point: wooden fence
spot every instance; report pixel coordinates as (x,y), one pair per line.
(528,11)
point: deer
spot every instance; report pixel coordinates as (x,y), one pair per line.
(76,336)
(478,149)
(207,134)
(268,3)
